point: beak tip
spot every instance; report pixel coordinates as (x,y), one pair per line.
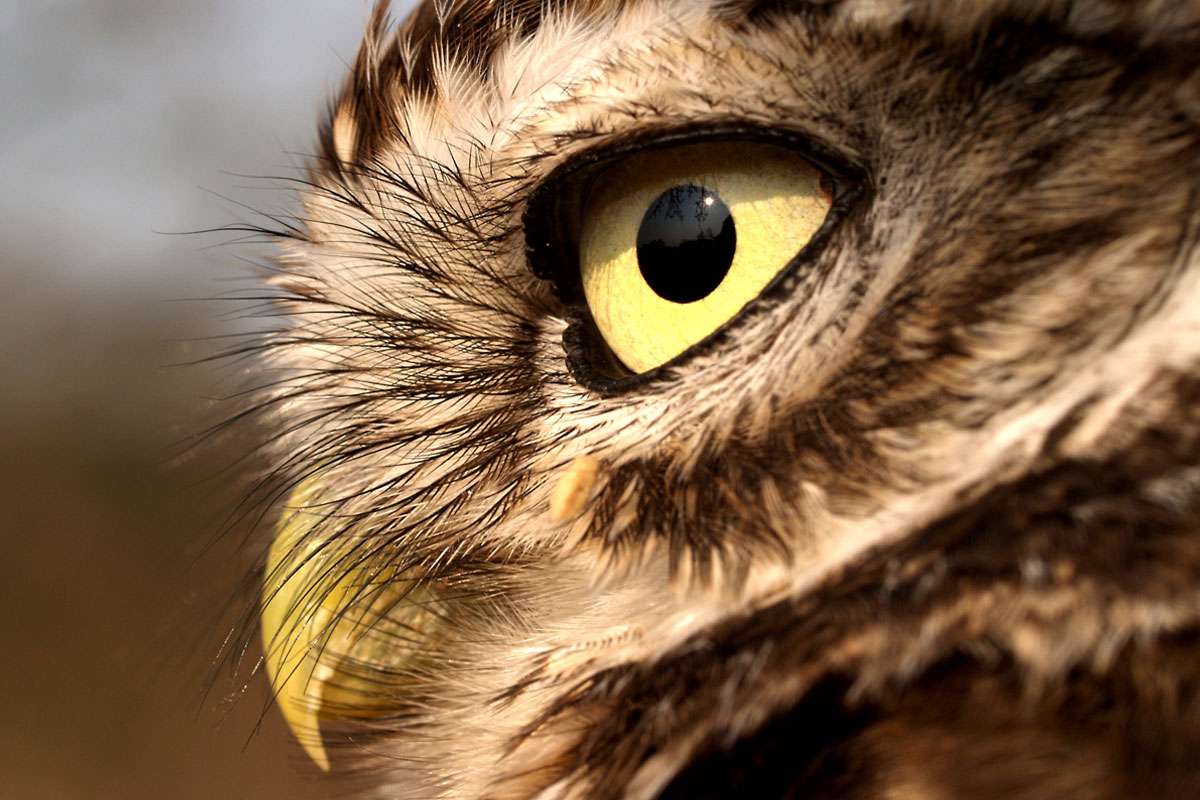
(316,752)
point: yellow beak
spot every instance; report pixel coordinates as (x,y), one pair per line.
(313,624)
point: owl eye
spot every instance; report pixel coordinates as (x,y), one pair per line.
(662,247)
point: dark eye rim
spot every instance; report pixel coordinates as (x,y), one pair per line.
(551,222)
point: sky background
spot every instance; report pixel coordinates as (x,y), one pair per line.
(125,122)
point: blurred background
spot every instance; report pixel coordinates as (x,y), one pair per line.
(124,121)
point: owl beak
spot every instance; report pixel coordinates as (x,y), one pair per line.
(294,623)
(313,627)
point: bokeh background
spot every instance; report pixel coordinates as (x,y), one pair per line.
(123,122)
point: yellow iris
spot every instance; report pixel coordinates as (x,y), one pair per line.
(776,201)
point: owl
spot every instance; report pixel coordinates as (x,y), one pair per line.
(743,398)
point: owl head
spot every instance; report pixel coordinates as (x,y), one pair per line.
(773,398)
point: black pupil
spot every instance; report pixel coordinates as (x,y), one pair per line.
(686,243)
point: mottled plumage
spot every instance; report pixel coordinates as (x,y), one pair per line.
(922,522)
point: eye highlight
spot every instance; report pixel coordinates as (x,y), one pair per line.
(674,243)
